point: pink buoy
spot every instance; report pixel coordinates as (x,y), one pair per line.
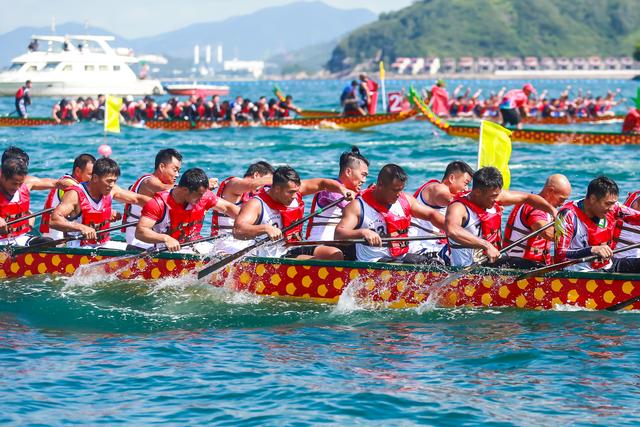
(104,150)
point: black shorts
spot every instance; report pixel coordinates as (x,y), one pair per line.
(348,251)
(510,116)
(430,258)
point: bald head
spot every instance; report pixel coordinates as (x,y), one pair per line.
(556,190)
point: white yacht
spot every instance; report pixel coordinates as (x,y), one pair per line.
(76,66)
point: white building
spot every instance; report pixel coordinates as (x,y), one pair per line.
(253,68)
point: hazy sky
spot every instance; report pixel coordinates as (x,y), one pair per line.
(135,18)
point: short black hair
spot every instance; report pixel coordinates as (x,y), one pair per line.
(262,168)
(82,160)
(457,166)
(348,159)
(284,174)
(602,186)
(487,178)
(165,156)
(13,152)
(14,166)
(391,172)
(106,166)
(194,179)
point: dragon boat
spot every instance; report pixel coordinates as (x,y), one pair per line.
(335,122)
(540,136)
(376,285)
(31,121)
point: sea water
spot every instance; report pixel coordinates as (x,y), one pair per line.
(179,352)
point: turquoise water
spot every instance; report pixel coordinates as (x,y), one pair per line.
(183,353)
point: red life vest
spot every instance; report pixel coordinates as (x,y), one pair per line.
(127,207)
(423,186)
(535,248)
(631,198)
(215,218)
(85,112)
(131,110)
(288,214)
(397,226)
(201,110)
(10,211)
(490,223)
(150,112)
(184,224)
(48,203)
(20,93)
(597,235)
(98,219)
(64,113)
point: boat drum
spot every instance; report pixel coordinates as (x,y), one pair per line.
(369,284)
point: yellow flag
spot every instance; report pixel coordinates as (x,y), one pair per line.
(494,149)
(112,114)
(381,70)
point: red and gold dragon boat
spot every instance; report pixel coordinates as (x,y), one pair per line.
(539,136)
(31,121)
(334,122)
(375,285)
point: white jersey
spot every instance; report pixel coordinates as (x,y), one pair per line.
(273,218)
(55,201)
(323,225)
(461,256)
(134,214)
(426,229)
(373,220)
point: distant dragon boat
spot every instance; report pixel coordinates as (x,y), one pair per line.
(376,285)
(540,136)
(334,122)
(9,121)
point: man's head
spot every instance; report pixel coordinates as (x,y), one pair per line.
(354,169)
(457,176)
(556,190)
(390,183)
(487,185)
(168,164)
(258,170)
(354,83)
(14,172)
(286,184)
(105,175)
(528,89)
(28,84)
(196,182)
(288,98)
(83,167)
(215,99)
(602,195)
(13,152)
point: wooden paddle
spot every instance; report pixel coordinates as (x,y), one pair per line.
(455,276)
(204,272)
(561,265)
(387,240)
(33,215)
(27,249)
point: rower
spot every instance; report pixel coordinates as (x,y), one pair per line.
(349,100)
(473,221)
(368,90)
(385,210)
(439,101)
(175,216)
(354,169)
(64,111)
(101,101)
(288,105)
(514,104)
(437,195)
(631,123)
(23,99)
(238,191)
(167,168)
(81,172)
(591,226)
(86,208)
(274,209)
(15,199)
(524,219)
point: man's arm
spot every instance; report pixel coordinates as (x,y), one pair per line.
(439,194)
(70,206)
(153,185)
(456,215)
(346,228)
(312,186)
(508,198)
(35,183)
(238,186)
(229,209)
(145,233)
(425,212)
(245,227)
(126,196)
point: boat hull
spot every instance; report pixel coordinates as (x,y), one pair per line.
(341,123)
(542,120)
(35,121)
(73,88)
(373,285)
(203,90)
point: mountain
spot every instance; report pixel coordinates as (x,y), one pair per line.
(263,33)
(455,28)
(259,35)
(15,42)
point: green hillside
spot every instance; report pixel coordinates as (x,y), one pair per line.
(458,28)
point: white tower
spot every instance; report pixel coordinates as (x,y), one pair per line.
(219,54)
(196,55)
(207,55)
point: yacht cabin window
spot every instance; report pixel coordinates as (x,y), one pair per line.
(89,68)
(50,66)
